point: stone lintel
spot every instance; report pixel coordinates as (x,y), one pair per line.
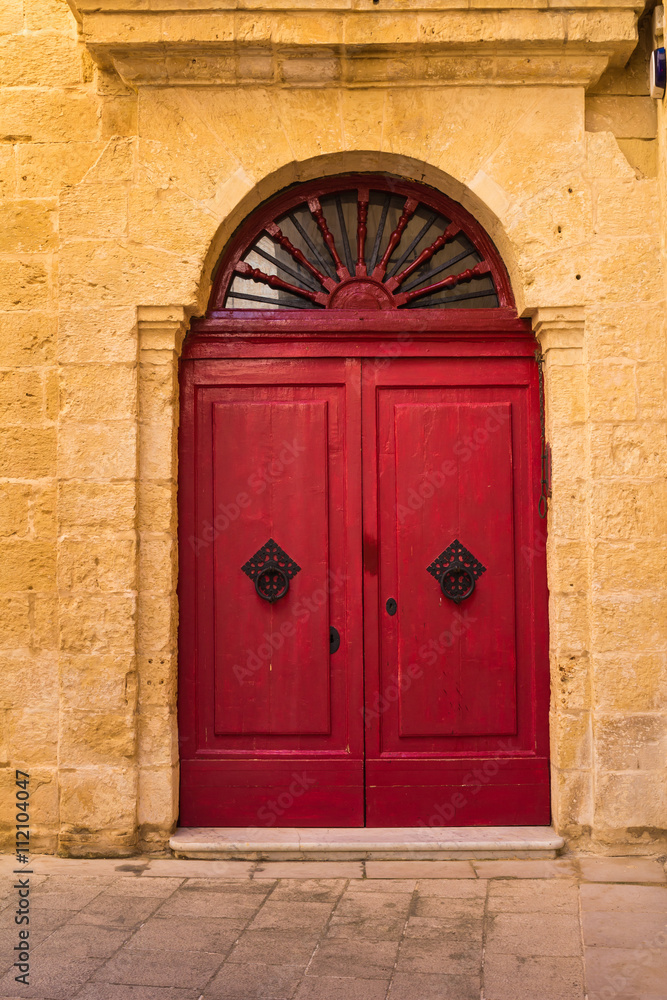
(559,330)
(282,46)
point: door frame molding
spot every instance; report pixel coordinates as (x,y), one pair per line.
(161,340)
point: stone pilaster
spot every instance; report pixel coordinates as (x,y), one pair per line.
(161,332)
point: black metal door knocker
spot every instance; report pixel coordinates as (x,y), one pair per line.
(271,570)
(456,570)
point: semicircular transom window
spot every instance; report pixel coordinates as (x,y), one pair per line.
(365,243)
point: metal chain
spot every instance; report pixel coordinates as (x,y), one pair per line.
(542,504)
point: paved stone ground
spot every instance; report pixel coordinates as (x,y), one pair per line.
(412,930)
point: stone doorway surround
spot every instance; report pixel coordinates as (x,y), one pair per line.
(285,95)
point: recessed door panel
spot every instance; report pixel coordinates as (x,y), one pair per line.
(452,468)
(271,656)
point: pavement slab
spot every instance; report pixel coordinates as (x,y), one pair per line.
(560,929)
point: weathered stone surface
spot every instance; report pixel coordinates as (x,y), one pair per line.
(118,197)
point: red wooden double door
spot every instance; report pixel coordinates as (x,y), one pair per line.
(363,596)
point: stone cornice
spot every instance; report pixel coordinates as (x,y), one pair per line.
(353,43)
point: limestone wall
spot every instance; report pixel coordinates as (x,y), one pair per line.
(117,200)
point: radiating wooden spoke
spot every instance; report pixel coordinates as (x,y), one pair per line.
(317,213)
(362,219)
(276,234)
(342,253)
(409,210)
(440,286)
(255,274)
(449,234)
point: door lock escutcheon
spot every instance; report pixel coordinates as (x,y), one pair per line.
(391,606)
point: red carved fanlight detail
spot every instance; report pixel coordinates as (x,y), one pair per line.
(414,248)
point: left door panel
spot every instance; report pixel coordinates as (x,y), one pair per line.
(270,720)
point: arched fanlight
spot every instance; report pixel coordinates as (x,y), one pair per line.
(365,243)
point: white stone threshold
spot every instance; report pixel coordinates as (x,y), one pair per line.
(455,843)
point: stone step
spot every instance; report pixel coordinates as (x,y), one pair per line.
(366,844)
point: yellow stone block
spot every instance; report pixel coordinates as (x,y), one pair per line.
(616,565)
(97,624)
(627,208)
(158,802)
(571,739)
(633,449)
(642,154)
(568,622)
(157,681)
(612,392)
(634,624)
(157,510)
(630,681)
(98,683)
(98,392)
(27,565)
(21,397)
(630,742)
(651,392)
(633,511)
(91,564)
(105,203)
(158,392)
(624,116)
(14,509)
(634,331)
(14,621)
(568,564)
(45,622)
(157,564)
(43,169)
(11,17)
(98,336)
(54,15)
(631,806)
(106,506)
(33,737)
(96,738)
(175,147)
(566,394)
(98,809)
(573,801)
(165,217)
(30,680)
(97,451)
(118,116)
(24,284)
(53,61)
(27,227)
(157,737)
(38,115)
(156,630)
(571,682)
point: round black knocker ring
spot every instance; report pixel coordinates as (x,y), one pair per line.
(272,583)
(450,583)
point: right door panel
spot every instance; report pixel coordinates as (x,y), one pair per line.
(456,689)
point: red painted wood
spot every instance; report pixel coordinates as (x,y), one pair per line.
(285,706)
(445,682)
(464,743)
